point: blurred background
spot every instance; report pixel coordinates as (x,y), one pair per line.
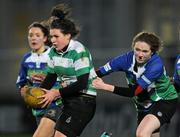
(107,29)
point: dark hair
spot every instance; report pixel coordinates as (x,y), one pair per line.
(44,29)
(60,20)
(150,38)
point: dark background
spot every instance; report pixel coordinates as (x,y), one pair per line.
(107,29)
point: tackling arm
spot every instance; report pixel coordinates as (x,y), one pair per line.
(128,91)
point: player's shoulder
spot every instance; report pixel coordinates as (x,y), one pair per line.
(155,62)
(27,55)
(76,46)
(178,56)
(47,51)
(51,51)
(127,56)
(178,59)
(155,58)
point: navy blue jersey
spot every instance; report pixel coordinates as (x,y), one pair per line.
(151,75)
(32,64)
(176,76)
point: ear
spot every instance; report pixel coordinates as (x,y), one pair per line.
(68,36)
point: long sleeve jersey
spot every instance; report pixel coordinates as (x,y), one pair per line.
(34,64)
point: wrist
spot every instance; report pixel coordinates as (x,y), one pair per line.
(56,94)
(109,87)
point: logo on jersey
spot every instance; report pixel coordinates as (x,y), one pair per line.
(147,105)
(159,114)
(52,113)
(68,120)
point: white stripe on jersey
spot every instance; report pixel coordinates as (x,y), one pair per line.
(107,67)
(63,62)
(145,79)
(92,74)
(178,61)
(81,63)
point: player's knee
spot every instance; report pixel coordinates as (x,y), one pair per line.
(41,134)
(141,133)
(36,134)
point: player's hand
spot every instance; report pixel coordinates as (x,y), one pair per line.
(50,95)
(38,77)
(98,83)
(23,90)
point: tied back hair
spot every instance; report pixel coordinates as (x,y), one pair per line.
(61,11)
(45,23)
(60,19)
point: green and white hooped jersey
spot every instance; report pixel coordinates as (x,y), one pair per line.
(74,62)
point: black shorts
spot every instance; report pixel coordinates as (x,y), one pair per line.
(77,113)
(51,113)
(163,110)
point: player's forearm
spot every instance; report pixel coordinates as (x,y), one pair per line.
(76,87)
(23,90)
(49,81)
(99,73)
(127,91)
(108,87)
(123,91)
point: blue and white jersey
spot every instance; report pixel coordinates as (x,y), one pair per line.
(32,64)
(151,75)
(176,76)
(35,64)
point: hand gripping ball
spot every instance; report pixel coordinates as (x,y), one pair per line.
(31,97)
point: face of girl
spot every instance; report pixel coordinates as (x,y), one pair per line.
(58,39)
(36,38)
(142,52)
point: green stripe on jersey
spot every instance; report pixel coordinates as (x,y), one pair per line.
(164,89)
(74,62)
